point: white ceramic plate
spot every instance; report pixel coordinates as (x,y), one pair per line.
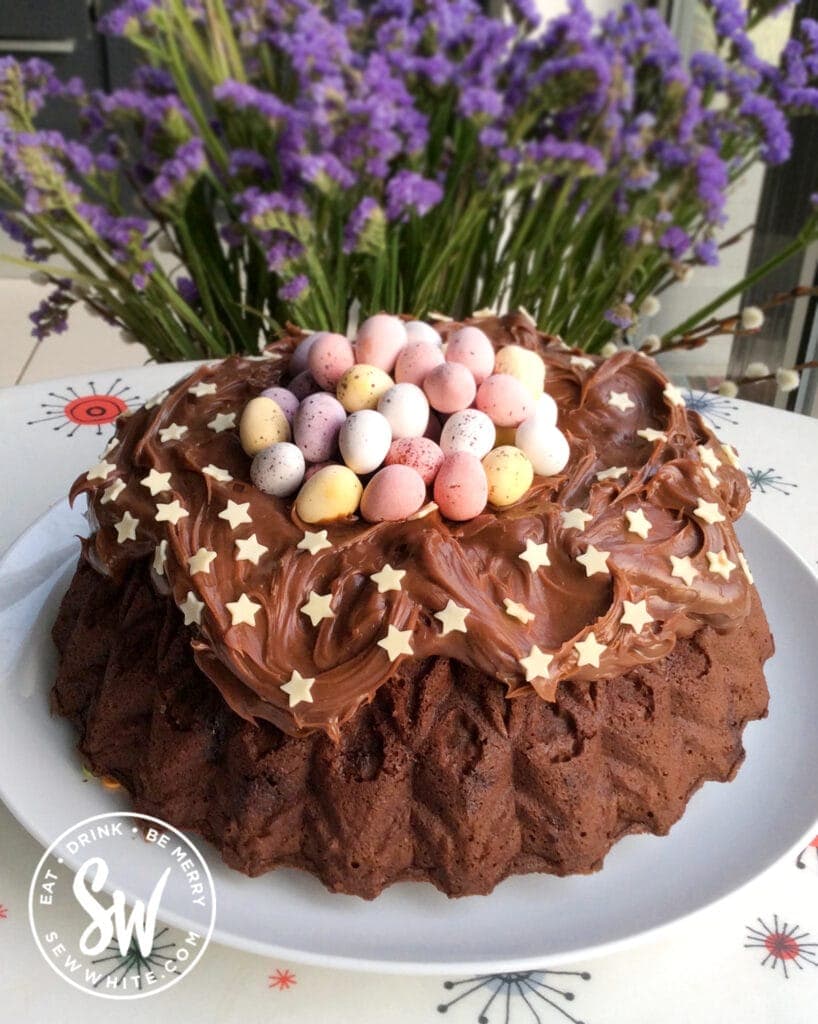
(728,835)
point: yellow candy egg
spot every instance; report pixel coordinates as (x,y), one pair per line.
(509,475)
(262,423)
(334,492)
(523,364)
(362,386)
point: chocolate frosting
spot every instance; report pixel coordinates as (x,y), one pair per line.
(476,564)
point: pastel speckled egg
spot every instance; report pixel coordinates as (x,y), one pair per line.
(379,340)
(545,445)
(329,359)
(418,330)
(406,408)
(461,488)
(303,384)
(316,466)
(471,347)
(450,388)
(419,453)
(316,426)
(468,431)
(298,360)
(262,424)
(364,440)
(279,469)
(509,475)
(523,364)
(394,493)
(504,400)
(546,410)
(416,361)
(284,399)
(334,492)
(362,386)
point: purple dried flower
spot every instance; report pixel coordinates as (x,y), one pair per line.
(294,288)
(676,241)
(408,193)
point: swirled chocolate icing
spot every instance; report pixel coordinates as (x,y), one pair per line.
(476,564)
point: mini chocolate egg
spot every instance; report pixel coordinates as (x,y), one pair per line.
(362,386)
(416,361)
(334,492)
(468,431)
(298,360)
(450,387)
(546,409)
(284,399)
(304,384)
(419,453)
(418,330)
(316,426)
(471,348)
(509,475)
(523,364)
(461,488)
(504,400)
(394,493)
(279,469)
(406,408)
(364,440)
(329,359)
(545,445)
(262,423)
(378,341)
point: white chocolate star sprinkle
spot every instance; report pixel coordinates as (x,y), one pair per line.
(720,564)
(638,523)
(101,471)
(636,615)
(452,618)
(173,432)
(222,421)
(298,689)
(621,400)
(314,542)
(673,394)
(582,362)
(683,569)
(157,399)
(113,492)
(318,607)
(192,609)
(243,611)
(156,482)
(396,642)
(731,455)
(589,651)
(709,457)
(126,528)
(535,554)
(201,561)
(250,550)
(388,578)
(236,514)
(160,558)
(536,664)
(575,519)
(218,474)
(170,512)
(201,389)
(595,561)
(711,478)
(518,611)
(708,511)
(613,473)
(745,566)
(650,434)
(109,447)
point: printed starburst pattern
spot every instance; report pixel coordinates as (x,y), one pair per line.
(519,996)
(281,979)
(781,944)
(92,408)
(768,480)
(714,408)
(809,852)
(133,963)
(3,912)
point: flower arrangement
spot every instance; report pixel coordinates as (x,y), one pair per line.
(275,162)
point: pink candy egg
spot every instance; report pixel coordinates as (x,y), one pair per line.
(303,384)
(416,361)
(461,489)
(394,493)
(298,360)
(316,426)
(329,359)
(419,453)
(450,388)
(472,348)
(379,340)
(505,400)
(468,431)
(284,399)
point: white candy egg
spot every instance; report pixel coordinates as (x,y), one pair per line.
(468,431)
(546,447)
(420,331)
(364,440)
(546,410)
(278,469)
(407,410)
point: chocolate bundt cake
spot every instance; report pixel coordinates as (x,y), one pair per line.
(426,699)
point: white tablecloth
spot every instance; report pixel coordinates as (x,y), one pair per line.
(711,968)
